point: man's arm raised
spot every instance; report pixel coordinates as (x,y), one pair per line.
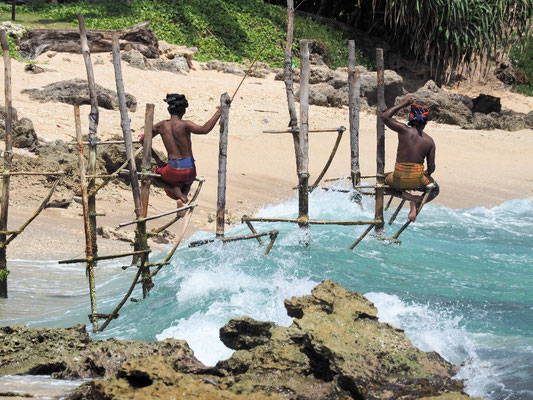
(205,128)
(387,115)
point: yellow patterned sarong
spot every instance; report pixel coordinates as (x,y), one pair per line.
(407,176)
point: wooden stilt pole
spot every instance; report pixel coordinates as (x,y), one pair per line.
(13,5)
(340,131)
(393,217)
(8,157)
(141,242)
(361,237)
(424,201)
(225,103)
(89,248)
(389,203)
(354,93)
(293,122)
(303,166)
(147,158)
(93,127)
(380,151)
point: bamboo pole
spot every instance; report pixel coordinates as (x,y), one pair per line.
(36,173)
(311,221)
(193,199)
(89,248)
(326,130)
(141,242)
(393,217)
(93,127)
(41,207)
(109,142)
(228,239)
(354,93)
(147,158)
(389,202)
(380,151)
(252,229)
(424,201)
(225,103)
(289,86)
(361,237)
(273,236)
(186,221)
(114,175)
(108,257)
(303,166)
(8,157)
(340,131)
(136,221)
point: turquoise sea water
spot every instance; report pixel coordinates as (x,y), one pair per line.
(460,284)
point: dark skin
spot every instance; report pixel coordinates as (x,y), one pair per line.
(414,146)
(176,135)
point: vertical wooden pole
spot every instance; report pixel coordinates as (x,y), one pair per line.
(380,151)
(293,123)
(354,89)
(141,237)
(225,103)
(13,5)
(147,157)
(8,156)
(303,166)
(86,223)
(93,128)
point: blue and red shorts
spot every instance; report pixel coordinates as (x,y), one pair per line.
(178,172)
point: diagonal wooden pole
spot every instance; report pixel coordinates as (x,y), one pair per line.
(141,242)
(8,157)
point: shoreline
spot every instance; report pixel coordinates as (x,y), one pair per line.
(473,168)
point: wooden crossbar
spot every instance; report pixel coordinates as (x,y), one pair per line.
(311,221)
(109,257)
(157,215)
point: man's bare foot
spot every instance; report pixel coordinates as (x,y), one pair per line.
(179,204)
(412,214)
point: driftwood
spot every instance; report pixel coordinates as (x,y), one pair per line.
(8,157)
(380,151)
(38,41)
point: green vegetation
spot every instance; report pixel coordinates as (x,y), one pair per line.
(521,56)
(451,34)
(228,30)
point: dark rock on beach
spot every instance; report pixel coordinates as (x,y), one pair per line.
(177,65)
(77,91)
(23,131)
(483,112)
(335,349)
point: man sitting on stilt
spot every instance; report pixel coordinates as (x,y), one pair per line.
(414,145)
(179,173)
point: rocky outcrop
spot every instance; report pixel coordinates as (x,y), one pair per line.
(177,65)
(13,30)
(38,41)
(71,353)
(483,112)
(335,349)
(77,91)
(171,51)
(259,70)
(23,132)
(330,88)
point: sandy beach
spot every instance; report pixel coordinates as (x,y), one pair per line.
(474,168)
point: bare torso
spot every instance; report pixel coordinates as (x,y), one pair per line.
(176,137)
(413,146)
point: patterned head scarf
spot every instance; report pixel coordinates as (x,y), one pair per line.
(177,103)
(418,114)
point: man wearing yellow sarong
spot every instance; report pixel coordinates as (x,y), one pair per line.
(414,146)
